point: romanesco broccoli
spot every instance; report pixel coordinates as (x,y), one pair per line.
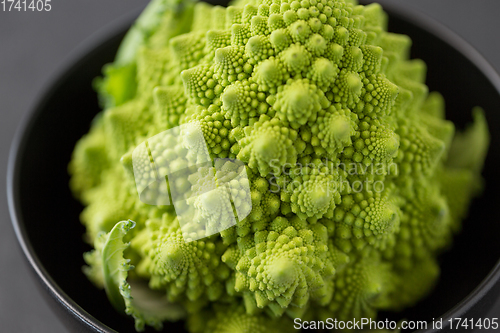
(357,182)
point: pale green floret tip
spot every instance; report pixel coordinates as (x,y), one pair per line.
(333,131)
(230,98)
(383,220)
(172,256)
(296,58)
(282,273)
(317,44)
(280,39)
(259,47)
(355,181)
(335,52)
(222,54)
(269,74)
(354,84)
(300,31)
(323,73)
(267,143)
(265,147)
(340,129)
(320,198)
(217,39)
(299,102)
(391,146)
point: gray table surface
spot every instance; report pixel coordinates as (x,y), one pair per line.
(32,47)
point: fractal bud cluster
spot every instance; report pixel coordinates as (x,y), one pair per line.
(302,93)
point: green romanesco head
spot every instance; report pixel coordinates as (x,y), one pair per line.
(355,181)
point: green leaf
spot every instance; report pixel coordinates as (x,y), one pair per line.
(115,267)
(146,306)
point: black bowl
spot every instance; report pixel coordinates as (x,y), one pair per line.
(45,215)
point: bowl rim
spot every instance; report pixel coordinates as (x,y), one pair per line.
(120,25)
(76,56)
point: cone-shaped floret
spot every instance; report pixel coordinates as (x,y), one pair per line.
(191,268)
(380,95)
(333,130)
(235,318)
(217,39)
(237,102)
(218,17)
(233,16)
(323,73)
(334,52)
(193,140)
(170,105)
(299,102)
(341,36)
(372,56)
(371,217)
(280,39)
(276,22)
(188,49)
(258,25)
(213,210)
(283,269)
(249,11)
(229,62)
(269,74)
(420,151)
(374,142)
(259,48)
(316,196)
(265,203)
(352,59)
(216,131)
(296,58)
(361,289)
(425,223)
(240,34)
(200,85)
(89,159)
(300,31)
(347,88)
(316,45)
(357,37)
(172,258)
(270,144)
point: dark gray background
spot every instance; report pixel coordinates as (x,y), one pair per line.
(34,45)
